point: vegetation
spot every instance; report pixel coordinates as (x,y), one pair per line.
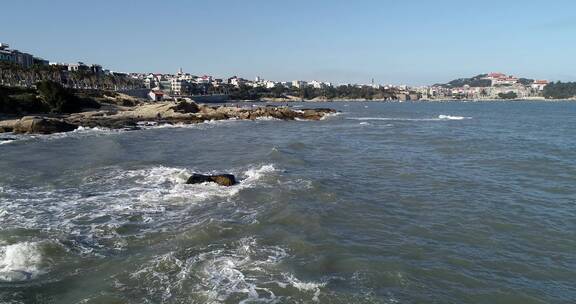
(475,81)
(48,97)
(525,81)
(62,100)
(560,90)
(342,92)
(14,75)
(508,95)
(18,101)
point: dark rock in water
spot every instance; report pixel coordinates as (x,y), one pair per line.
(7,138)
(186,107)
(42,125)
(220,179)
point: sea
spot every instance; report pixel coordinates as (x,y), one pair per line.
(444,202)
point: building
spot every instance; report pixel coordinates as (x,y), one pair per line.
(156,95)
(270,84)
(25,60)
(501,79)
(319,84)
(539,85)
(299,84)
(6,56)
(236,81)
(178,86)
(80,66)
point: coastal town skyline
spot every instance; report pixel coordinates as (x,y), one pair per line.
(25,70)
(392,43)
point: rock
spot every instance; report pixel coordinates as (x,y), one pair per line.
(186,107)
(8,125)
(220,179)
(42,125)
(183,112)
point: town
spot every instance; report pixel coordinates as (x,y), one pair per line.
(21,69)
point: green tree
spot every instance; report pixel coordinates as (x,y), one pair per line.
(508,95)
(58,98)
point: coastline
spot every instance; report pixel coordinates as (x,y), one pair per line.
(288,100)
(121,117)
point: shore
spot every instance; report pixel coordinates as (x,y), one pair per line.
(182,112)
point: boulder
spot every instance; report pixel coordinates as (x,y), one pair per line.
(186,107)
(42,125)
(220,179)
(315,114)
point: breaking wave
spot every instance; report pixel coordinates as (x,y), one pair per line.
(448,117)
(245,272)
(21,262)
(439,118)
(144,199)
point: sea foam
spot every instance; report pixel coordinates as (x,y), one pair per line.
(20,261)
(244,271)
(449,117)
(441,117)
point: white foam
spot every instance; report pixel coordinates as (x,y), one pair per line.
(304,286)
(448,117)
(20,262)
(330,115)
(243,270)
(149,193)
(439,118)
(82,129)
(267,118)
(255,173)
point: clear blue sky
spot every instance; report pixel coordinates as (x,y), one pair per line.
(400,42)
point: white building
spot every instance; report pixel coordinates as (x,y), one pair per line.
(156,95)
(299,84)
(539,85)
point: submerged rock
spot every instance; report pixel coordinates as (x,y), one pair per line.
(220,179)
(42,125)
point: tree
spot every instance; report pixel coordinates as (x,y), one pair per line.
(58,98)
(560,90)
(508,95)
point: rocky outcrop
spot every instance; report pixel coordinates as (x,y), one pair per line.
(220,179)
(186,112)
(42,125)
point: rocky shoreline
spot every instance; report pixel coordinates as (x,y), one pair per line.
(182,112)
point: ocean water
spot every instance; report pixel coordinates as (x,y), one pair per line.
(383,203)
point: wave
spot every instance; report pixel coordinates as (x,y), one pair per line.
(330,115)
(82,131)
(448,117)
(244,271)
(154,196)
(21,262)
(439,118)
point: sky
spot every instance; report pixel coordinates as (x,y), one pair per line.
(394,42)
